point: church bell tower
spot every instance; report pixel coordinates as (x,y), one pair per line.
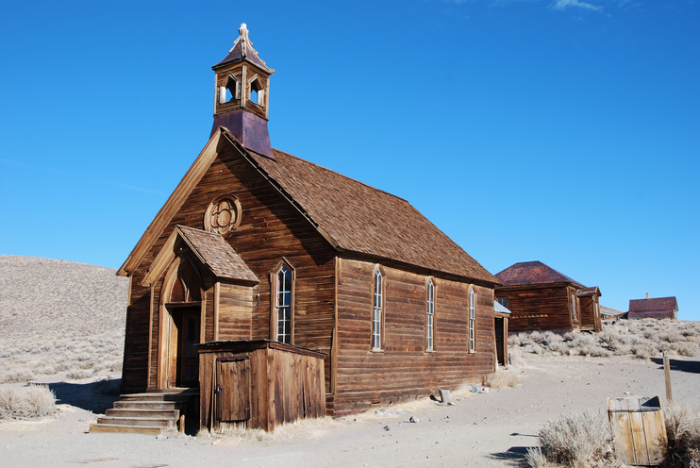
(242,95)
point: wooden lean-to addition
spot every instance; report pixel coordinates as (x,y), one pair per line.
(256,244)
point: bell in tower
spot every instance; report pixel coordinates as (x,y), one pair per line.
(242,95)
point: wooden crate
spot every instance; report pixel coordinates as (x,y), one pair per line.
(640,431)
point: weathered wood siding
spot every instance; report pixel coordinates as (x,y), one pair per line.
(538,308)
(271,229)
(286,384)
(235,312)
(590,320)
(404,369)
(138,316)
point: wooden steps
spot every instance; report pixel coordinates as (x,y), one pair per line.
(145,413)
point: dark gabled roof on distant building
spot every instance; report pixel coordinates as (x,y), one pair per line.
(536,272)
(657,307)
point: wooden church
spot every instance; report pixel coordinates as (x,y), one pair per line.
(257,250)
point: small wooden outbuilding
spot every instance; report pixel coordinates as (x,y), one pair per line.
(541,298)
(259,384)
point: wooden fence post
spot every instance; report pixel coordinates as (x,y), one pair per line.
(667,378)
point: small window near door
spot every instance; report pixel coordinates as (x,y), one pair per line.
(503,301)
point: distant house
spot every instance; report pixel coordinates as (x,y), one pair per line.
(657,307)
(611,315)
(541,298)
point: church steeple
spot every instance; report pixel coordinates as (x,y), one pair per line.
(242,94)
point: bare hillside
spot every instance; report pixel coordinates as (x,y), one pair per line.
(43,298)
(59,317)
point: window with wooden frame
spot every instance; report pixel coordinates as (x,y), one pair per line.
(573,307)
(472,320)
(282,323)
(377,310)
(430,320)
(503,301)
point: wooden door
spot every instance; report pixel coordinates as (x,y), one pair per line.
(233,389)
(183,361)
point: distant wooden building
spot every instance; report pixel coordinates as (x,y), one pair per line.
(257,244)
(541,298)
(656,307)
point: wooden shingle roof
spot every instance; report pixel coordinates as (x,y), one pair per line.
(363,219)
(350,215)
(524,273)
(213,250)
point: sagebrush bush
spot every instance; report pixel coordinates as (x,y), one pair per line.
(502,379)
(683,431)
(80,356)
(29,402)
(639,338)
(577,440)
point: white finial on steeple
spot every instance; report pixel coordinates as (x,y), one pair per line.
(243,38)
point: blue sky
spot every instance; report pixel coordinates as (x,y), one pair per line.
(565,131)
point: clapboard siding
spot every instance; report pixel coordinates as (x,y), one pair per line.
(235,312)
(404,369)
(539,308)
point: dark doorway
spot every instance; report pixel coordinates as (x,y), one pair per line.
(184,338)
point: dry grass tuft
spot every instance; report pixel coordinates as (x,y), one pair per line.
(29,402)
(577,440)
(683,430)
(639,338)
(502,379)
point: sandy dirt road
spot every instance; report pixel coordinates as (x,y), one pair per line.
(491,429)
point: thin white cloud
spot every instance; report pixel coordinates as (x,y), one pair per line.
(564,4)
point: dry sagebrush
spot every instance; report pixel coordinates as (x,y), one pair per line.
(78,357)
(577,440)
(683,431)
(502,379)
(639,338)
(29,402)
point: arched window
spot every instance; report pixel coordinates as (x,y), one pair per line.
(472,320)
(431,315)
(283,307)
(187,287)
(377,310)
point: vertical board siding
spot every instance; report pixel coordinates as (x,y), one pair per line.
(235,312)
(404,369)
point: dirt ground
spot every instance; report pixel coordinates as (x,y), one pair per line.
(491,429)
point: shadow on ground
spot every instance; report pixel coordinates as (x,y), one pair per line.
(93,396)
(692,367)
(514,456)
